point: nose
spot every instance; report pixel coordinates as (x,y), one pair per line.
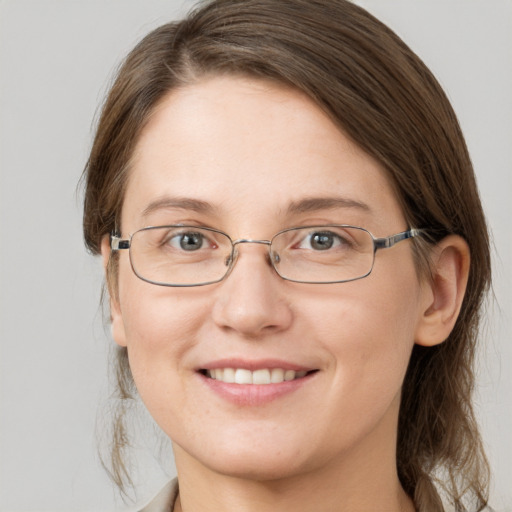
(251,300)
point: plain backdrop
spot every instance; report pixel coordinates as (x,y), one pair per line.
(56,60)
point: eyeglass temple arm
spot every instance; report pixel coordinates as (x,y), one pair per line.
(117,243)
(384,243)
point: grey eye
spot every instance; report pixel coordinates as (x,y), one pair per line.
(322,241)
(191,241)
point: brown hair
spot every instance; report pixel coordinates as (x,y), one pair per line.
(384,97)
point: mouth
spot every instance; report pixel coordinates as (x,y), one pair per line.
(255,383)
(263,376)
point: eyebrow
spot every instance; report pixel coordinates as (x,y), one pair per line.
(310,204)
(182,203)
(313,204)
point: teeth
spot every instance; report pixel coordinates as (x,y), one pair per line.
(228,375)
(263,376)
(241,376)
(276,376)
(289,375)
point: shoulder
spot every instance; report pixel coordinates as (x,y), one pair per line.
(164,500)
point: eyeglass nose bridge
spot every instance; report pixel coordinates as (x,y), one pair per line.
(250,241)
(231,260)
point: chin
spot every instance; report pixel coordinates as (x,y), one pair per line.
(257,460)
(261,468)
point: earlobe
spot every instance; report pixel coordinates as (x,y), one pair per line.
(116,318)
(444,293)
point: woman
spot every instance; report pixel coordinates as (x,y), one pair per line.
(296,256)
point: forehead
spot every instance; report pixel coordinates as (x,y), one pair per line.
(250,149)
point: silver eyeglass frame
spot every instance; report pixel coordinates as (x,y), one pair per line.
(118,244)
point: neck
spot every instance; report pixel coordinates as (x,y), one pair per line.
(277,496)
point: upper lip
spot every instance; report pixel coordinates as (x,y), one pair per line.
(253,365)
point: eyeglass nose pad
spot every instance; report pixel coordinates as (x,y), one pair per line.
(231,258)
(275,257)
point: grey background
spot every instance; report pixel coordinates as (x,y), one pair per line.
(56,60)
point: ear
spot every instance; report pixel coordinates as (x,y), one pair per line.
(116,318)
(444,292)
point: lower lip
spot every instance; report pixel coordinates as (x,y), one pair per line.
(254,394)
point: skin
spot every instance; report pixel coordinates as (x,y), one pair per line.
(250,149)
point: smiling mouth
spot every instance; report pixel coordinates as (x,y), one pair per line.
(262,376)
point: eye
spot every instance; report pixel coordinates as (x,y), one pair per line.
(189,241)
(322,241)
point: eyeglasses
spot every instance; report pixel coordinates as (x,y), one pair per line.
(195,256)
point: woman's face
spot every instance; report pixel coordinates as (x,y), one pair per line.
(252,158)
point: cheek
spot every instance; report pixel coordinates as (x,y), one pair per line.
(160,326)
(368,330)
(157,327)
